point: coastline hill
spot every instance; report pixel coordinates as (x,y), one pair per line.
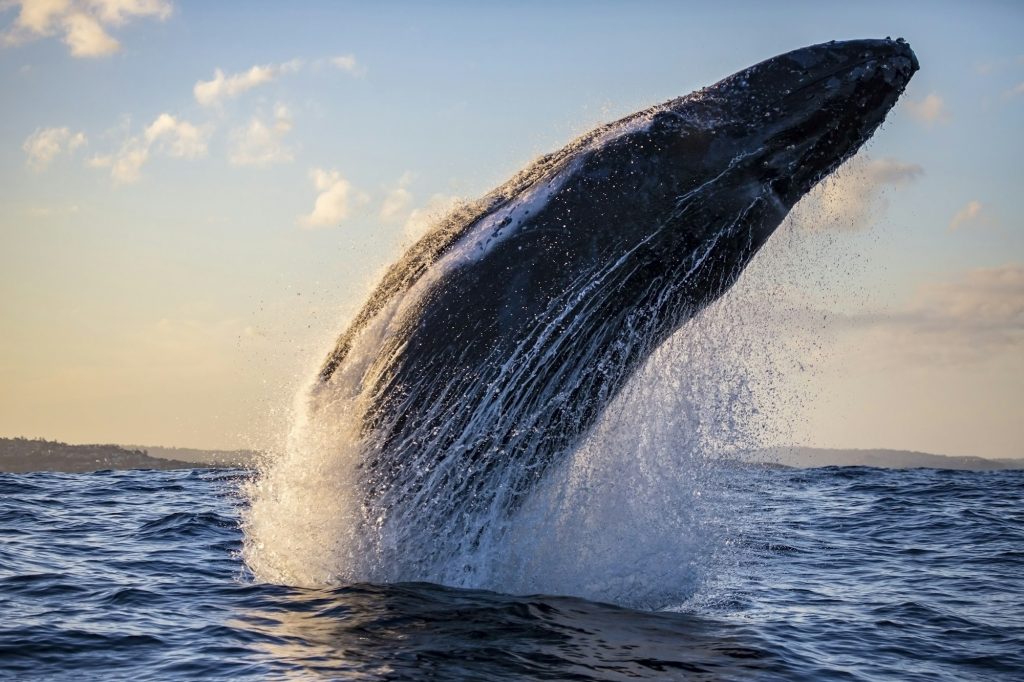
(24,455)
(197,457)
(803,458)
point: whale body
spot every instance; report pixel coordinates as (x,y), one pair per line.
(492,346)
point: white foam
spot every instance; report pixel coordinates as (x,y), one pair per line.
(632,515)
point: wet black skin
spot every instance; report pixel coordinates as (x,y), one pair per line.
(649,228)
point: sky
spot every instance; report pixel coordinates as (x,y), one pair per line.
(195,196)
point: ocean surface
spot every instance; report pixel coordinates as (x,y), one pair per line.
(835,573)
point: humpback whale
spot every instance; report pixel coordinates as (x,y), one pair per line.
(494,343)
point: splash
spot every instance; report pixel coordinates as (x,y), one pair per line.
(640,513)
(636,514)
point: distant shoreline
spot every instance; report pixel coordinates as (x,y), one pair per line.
(26,455)
(804,458)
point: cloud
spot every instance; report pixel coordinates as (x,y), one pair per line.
(992,298)
(930,110)
(1016,90)
(422,219)
(972,214)
(397,201)
(964,318)
(45,144)
(118,12)
(86,38)
(40,16)
(82,24)
(166,134)
(227,86)
(262,144)
(52,211)
(395,204)
(176,138)
(854,196)
(126,165)
(396,208)
(221,87)
(347,62)
(960,319)
(335,200)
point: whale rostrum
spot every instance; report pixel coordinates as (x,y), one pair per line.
(494,343)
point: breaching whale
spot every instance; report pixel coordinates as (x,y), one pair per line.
(492,346)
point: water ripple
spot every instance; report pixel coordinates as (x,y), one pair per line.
(855,574)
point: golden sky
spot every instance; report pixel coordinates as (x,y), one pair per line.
(194,197)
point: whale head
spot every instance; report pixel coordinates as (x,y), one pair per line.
(715,172)
(805,112)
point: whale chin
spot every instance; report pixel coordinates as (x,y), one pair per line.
(491,347)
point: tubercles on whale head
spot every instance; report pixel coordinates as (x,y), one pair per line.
(757,141)
(792,119)
(811,108)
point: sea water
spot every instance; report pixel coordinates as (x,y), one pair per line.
(818,574)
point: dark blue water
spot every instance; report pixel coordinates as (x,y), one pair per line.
(846,574)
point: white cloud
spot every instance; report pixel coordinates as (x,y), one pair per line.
(422,219)
(892,172)
(86,38)
(990,297)
(262,144)
(226,86)
(347,62)
(991,66)
(118,12)
(45,144)
(167,134)
(964,318)
(396,207)
(395,204)
(973,213)
(221,87)
(176,138)
(82,24)
(397,201)
(335,200)
(40,16)
(1016,90)
(854,196)
(960,318)
(930,110)
(126,165)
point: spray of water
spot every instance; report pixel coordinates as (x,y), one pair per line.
(634,514)
(630,515)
